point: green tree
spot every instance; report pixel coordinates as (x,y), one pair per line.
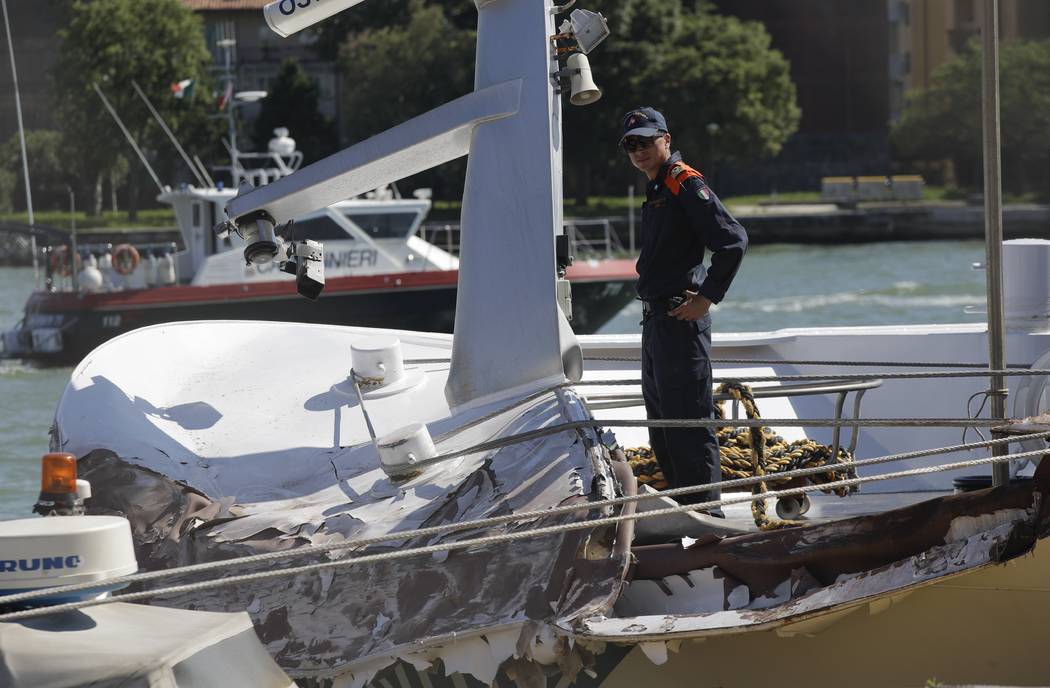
(724,71)
(293,103)
(8,183)
(47,170)
(592,161)
(943,122)
(112,43)
(397,72)
(697,67)
(336,31)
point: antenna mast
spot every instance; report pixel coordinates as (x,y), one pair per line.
(227,44)
(171,135)
(127,135)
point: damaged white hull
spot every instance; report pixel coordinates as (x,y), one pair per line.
(213,465)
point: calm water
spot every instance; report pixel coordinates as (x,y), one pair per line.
(778,286)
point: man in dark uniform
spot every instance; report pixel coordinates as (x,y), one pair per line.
(680,218)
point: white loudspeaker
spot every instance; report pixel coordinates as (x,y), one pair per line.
(285,17)
(584,90)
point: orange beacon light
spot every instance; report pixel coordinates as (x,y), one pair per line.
(58,486)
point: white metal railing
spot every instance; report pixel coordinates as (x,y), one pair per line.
(589,243)
(591,238)
(64,263)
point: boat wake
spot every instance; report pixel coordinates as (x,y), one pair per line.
(14,369)
(901,296)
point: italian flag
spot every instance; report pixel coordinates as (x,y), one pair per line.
(182,89)
(227,94)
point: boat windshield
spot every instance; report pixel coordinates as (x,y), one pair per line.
(376,225)
(320,228)
(385,225)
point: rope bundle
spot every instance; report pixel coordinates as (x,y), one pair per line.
(758,452)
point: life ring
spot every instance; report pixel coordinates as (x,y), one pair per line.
(60,262)
(125,259)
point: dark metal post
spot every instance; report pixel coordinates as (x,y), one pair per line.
(630,218)
(993,220)
(74,251)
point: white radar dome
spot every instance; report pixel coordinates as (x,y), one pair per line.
(282,143)
(64,550)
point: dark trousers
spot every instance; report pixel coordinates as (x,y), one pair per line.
(676,383)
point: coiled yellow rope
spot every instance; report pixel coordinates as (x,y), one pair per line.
(748,452)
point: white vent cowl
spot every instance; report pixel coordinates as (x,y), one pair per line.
(377,361)
(401,450)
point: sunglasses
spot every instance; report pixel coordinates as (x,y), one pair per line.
(637,143)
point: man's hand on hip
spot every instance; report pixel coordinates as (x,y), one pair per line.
(694,308)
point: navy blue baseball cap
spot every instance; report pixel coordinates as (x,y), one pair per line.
(643,121)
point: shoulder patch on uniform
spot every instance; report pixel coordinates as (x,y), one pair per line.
(703,193)
(677,174)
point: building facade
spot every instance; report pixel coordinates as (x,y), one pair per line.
(256,56)
(257,52)
(924,34)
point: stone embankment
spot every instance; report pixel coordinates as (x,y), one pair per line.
(828,223)
(831,224)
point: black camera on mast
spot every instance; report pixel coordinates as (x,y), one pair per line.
(304,259)
(259,231)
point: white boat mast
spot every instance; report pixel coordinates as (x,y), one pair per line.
(510,333)
(227,44)
(512,209)
(993,220)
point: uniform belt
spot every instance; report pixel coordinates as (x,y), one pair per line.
(650,306)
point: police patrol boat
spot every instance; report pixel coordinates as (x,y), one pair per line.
(377,271)
(401,509)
